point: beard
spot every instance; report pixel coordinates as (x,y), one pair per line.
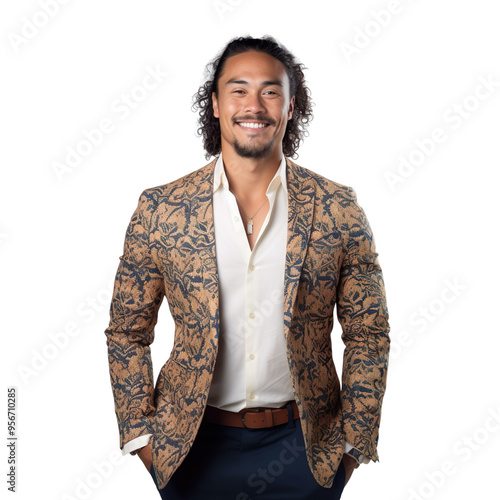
(253,151)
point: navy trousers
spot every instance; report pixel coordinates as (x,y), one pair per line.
(233,463)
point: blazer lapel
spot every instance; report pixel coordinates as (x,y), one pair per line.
(210,274)
(204,244)
(301,196)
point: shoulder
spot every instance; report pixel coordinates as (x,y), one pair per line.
(164,197)
(196,179)
(337,204)
(327,190)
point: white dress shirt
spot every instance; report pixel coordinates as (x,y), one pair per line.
(251,368)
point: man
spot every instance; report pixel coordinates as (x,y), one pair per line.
(252,253)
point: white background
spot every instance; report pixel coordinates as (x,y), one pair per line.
(436,230)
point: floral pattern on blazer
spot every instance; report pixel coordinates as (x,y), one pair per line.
(169,251)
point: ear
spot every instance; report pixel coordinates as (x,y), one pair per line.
(291,107)
(215,105)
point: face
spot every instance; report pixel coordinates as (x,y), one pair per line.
(253,104)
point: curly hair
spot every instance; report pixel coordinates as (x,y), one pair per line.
(209,127)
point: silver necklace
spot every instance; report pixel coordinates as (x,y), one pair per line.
(250,221)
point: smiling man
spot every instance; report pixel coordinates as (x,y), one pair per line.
(252,252)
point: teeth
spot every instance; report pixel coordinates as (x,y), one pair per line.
(253,125)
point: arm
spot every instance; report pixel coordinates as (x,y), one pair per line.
(362,313)
(137,296)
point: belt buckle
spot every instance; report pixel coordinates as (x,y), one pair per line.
(252,410)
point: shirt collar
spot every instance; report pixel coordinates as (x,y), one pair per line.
(279,178)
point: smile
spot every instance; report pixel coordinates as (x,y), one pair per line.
(252,125)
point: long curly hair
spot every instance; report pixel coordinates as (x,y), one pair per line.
(209,127)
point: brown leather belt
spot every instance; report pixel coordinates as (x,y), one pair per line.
(251,418)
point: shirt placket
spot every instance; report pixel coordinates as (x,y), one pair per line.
(250,312)
(253,315)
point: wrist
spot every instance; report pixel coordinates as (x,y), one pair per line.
(351,460)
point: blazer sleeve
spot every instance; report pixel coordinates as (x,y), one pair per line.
(362,313)
(137,296)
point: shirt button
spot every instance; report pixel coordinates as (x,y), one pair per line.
(252,267)
(252,396)
(252,356)
(236,219)
(252,315)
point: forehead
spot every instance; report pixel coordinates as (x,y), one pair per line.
(254,66)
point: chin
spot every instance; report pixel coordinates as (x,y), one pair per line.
(253,152)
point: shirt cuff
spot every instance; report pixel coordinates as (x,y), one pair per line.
(356,454)
(135,444)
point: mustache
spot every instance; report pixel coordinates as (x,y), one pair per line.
(264,119)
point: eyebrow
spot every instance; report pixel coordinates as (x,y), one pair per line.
(244,82)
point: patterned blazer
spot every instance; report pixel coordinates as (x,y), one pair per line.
(169,251)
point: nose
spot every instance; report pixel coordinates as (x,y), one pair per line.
(254,103)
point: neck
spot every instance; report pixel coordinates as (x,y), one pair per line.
(249,177)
